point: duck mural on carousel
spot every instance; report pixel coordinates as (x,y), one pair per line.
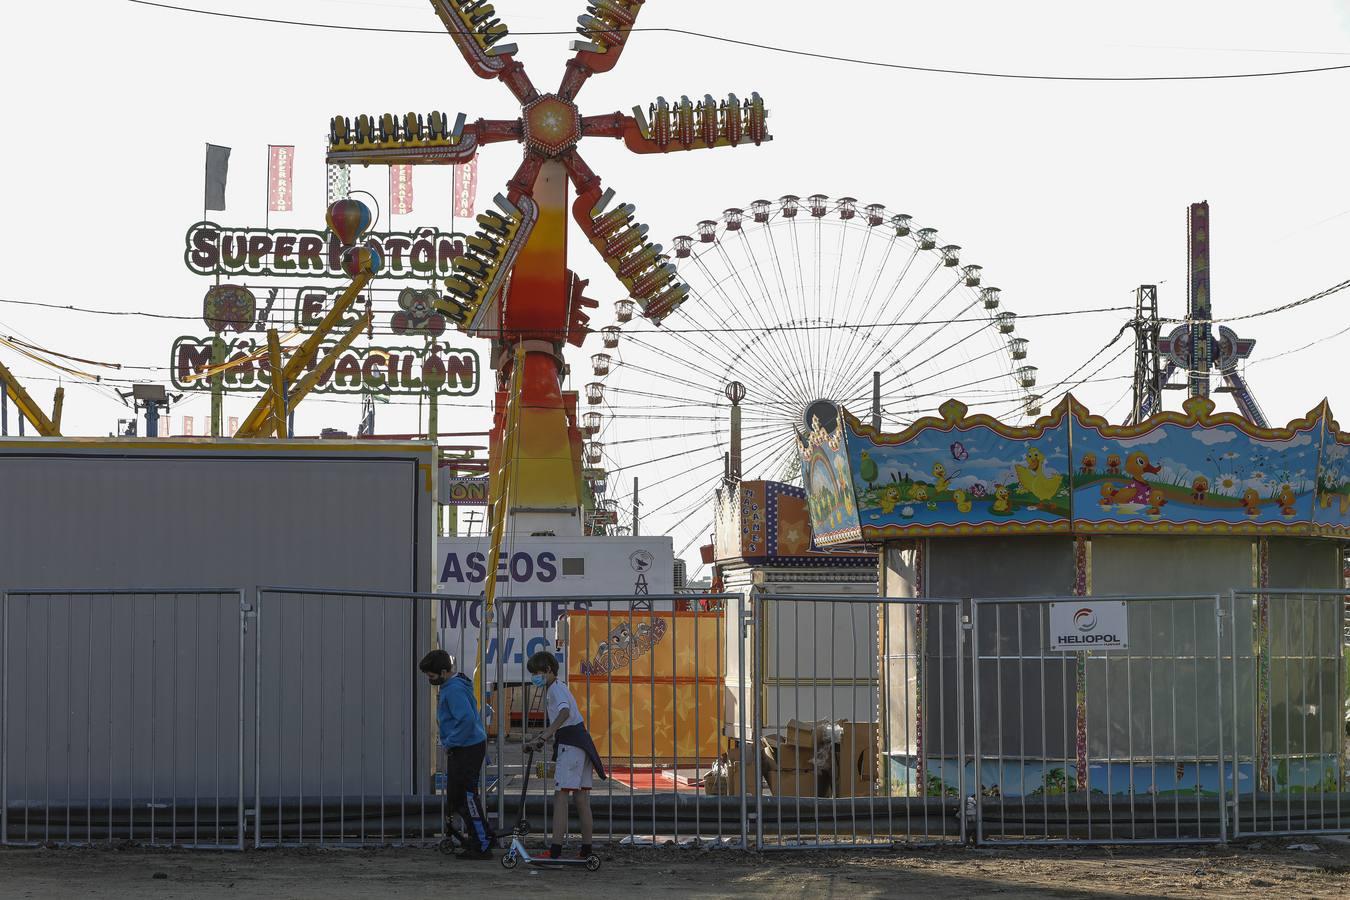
(1036,480)
(1137,492)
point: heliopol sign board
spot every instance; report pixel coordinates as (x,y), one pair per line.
(1089,625)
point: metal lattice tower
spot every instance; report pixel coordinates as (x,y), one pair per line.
(1147,364)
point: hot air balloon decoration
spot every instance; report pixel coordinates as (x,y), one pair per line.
(349,219)
(362,260)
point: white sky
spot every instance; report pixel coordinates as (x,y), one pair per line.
(1069,194)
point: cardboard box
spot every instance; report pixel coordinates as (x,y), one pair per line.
(802,734)
(792,756)
(794,783)
(855,772)
(724,778)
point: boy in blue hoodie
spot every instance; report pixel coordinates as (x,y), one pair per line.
(465,745)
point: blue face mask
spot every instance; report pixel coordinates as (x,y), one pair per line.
(537,680)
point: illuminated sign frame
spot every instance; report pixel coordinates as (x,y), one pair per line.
(212,249)
(453,371)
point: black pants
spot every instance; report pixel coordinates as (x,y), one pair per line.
(463,767)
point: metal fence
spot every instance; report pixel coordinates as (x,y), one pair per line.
(1291,734)
(857,717)
(1114,746)
(286,716)
(341,723)
(656,679)
(121,717)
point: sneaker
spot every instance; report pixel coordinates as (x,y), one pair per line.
(474,854)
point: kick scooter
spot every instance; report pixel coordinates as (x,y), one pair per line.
(516,852)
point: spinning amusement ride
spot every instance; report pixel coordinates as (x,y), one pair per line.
(513,285)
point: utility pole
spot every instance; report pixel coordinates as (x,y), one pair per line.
(433,378)
(218,350)
(636,504)
(876,401)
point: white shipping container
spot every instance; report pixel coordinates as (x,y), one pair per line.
(164,688)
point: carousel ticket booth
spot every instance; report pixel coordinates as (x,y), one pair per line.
(1143,611)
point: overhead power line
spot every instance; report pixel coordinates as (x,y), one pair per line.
(66,307)
(1320,295)
(772,48)
(832,326)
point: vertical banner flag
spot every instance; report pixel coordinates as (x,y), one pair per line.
(280,178)
(401,189)
(233,426)
(217,171)
(339,182)
(466,186)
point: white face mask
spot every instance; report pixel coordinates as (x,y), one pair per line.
(537,680)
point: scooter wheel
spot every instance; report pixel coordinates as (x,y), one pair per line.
(592,863)
(446,845)
(509,861)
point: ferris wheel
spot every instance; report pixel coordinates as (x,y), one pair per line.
(791,303)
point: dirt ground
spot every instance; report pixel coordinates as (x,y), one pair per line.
(1263,869)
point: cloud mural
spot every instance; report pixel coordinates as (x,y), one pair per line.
(1210,438)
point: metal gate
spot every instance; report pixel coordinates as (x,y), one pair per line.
(122,717)
(657,680)
(859,718)
(1290,734)
(1104,745)
(342,745)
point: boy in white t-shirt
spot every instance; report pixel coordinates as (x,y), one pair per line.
(574,752)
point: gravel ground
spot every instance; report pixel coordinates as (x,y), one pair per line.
(1265,869)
